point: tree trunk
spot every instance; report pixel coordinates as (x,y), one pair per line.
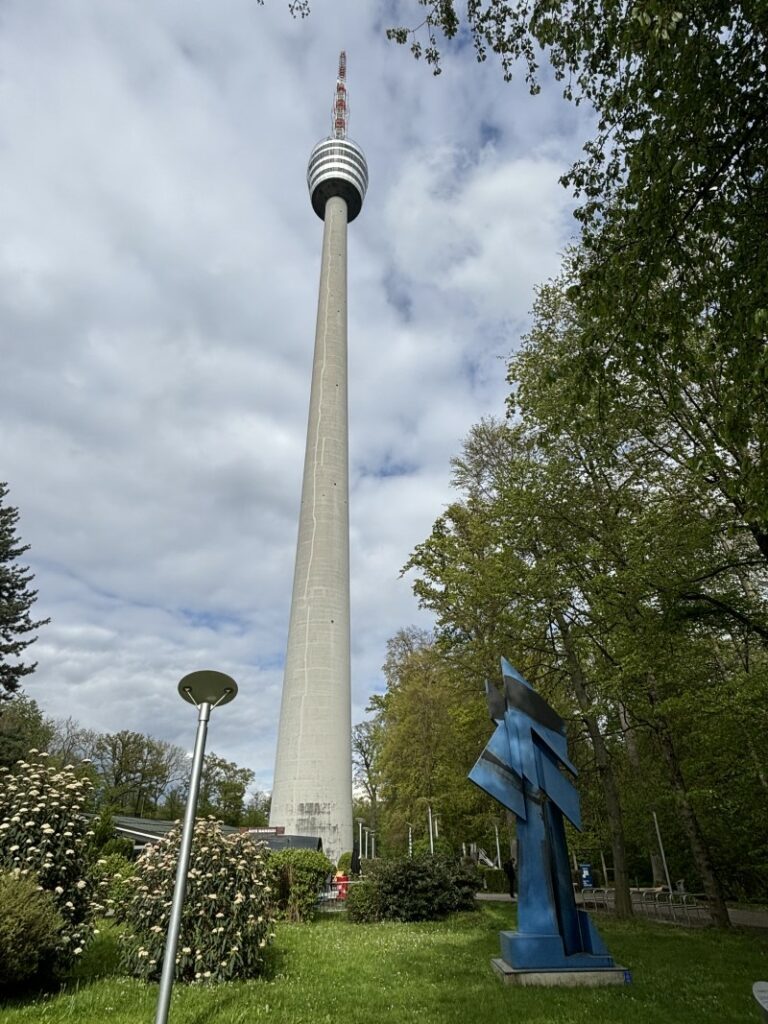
(606,774)
(690,823)
(633,756)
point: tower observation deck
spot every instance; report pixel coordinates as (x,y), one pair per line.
(312,791)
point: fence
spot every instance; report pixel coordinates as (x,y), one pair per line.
(675,907)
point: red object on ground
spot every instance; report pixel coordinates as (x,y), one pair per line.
(342,884)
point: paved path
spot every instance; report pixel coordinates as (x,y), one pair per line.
(739,918)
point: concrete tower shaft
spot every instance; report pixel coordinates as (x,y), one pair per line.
(312,792)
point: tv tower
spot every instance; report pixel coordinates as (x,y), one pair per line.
(312,791)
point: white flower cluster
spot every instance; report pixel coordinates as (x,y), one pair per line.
(43,832)
(227,918)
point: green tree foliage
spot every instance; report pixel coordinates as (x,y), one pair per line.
(223,786)
(671,275)
(433,723)
(22,728)
(134,770)
(596,562)
(366,758)
(16,600)
(256,814)
(613,539)
(226,921)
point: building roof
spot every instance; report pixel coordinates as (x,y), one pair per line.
(151,830)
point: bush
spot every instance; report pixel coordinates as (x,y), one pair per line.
(344,866)
(44,834)
(30,928)
(495,880)
(226,921)
(298,877)
(363,902)
(118,845)
(111,881)
(413,889)
(467,880)
(368,866)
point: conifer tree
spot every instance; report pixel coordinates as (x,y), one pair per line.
(16,600)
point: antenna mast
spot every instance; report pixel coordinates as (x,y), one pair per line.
(340,116)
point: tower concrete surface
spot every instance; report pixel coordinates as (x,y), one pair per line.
(312,790)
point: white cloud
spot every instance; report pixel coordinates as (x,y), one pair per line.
(158,277)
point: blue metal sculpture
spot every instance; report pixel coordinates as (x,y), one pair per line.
(521,767)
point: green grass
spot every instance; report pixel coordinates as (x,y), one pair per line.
(334,971)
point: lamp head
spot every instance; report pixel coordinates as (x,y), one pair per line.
(208,687)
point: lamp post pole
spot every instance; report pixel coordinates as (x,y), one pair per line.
(431,840)
(373,844)
(206,690)
(661,851)
(410,838)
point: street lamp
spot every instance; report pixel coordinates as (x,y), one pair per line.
(366,830)
(373,844)
(206,690)
(431,840)
(360,836)
(410,838)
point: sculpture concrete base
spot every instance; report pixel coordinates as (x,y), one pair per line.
(565,979)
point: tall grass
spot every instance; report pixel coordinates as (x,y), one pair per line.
(334,971)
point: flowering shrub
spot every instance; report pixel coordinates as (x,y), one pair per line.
(44,833)
(299,876)
(111,881)
(226,920)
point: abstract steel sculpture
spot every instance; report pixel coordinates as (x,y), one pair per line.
(521,768)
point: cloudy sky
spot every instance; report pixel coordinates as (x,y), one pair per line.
(159,261)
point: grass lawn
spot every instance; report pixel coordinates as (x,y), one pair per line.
(334,971)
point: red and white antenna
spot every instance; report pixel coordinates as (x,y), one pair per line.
(340,115)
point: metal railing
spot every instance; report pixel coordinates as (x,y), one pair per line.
(675,907)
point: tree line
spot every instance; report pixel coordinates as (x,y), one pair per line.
(610,535)
(132,773)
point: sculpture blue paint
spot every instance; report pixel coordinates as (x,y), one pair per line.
(521,768)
